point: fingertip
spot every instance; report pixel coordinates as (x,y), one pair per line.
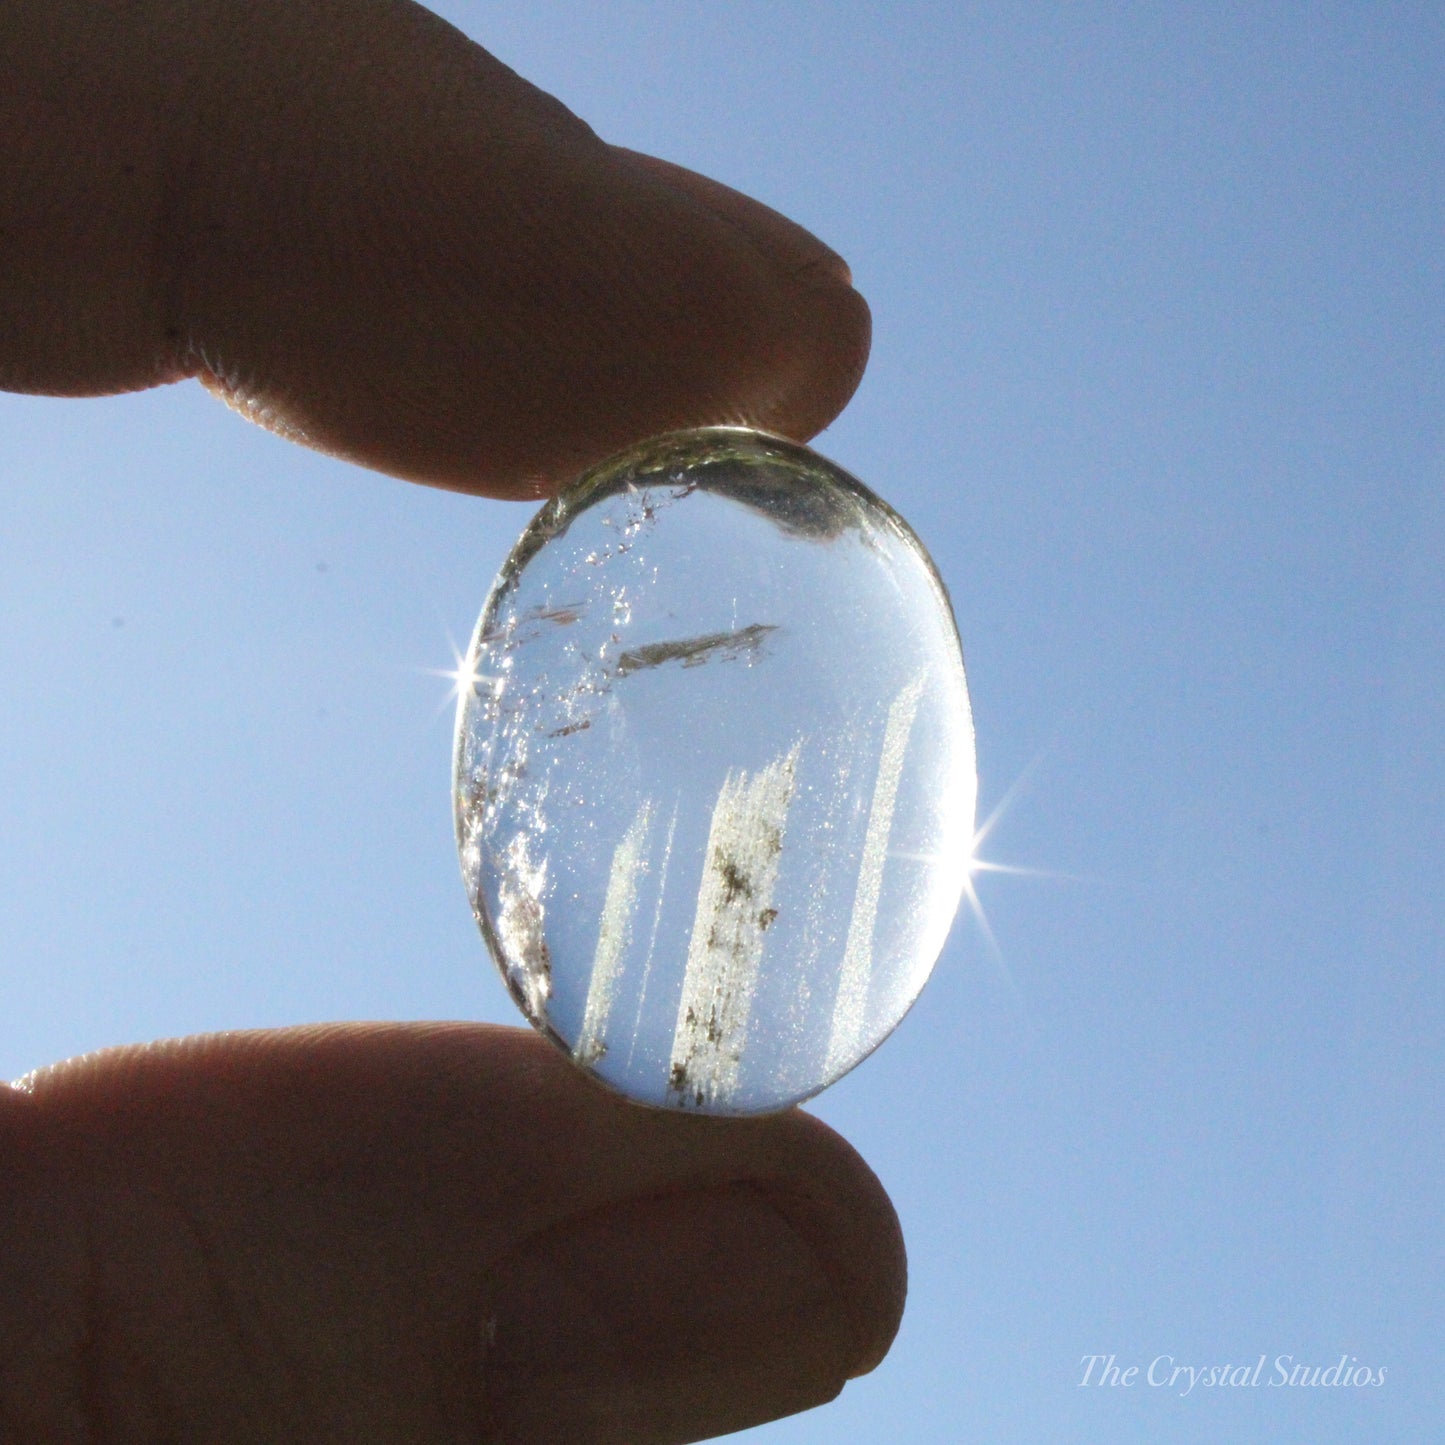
(824,323)
(830,330)
(796,250)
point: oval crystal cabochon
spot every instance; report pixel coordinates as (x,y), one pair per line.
(714,771)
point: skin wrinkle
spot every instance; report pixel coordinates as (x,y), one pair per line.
(111,1383)
(276,1373)
(258,1357)
(33,1264)
(124,1392)
(324,183)
(792,1204)
(576,1266)
(174,238)
(88,1358)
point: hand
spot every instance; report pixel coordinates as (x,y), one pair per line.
(363,231)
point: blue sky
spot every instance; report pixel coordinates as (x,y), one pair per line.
(1158,377)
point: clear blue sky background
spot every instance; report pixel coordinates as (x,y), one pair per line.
(1158,294)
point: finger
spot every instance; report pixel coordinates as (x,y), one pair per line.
(418,1233)
(368,234)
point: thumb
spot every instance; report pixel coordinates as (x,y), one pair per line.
(425,1232)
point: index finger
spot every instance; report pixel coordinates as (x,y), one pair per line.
(368,234)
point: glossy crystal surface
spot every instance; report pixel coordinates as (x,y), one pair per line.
(714,775)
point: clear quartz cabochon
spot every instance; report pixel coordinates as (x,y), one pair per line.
(714,772)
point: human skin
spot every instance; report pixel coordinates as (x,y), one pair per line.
(363,231)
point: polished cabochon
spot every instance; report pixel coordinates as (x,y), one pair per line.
(714,774)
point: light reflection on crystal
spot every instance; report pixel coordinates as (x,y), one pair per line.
(715,801)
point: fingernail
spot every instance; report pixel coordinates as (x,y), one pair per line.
(670,1318)
(796,251)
